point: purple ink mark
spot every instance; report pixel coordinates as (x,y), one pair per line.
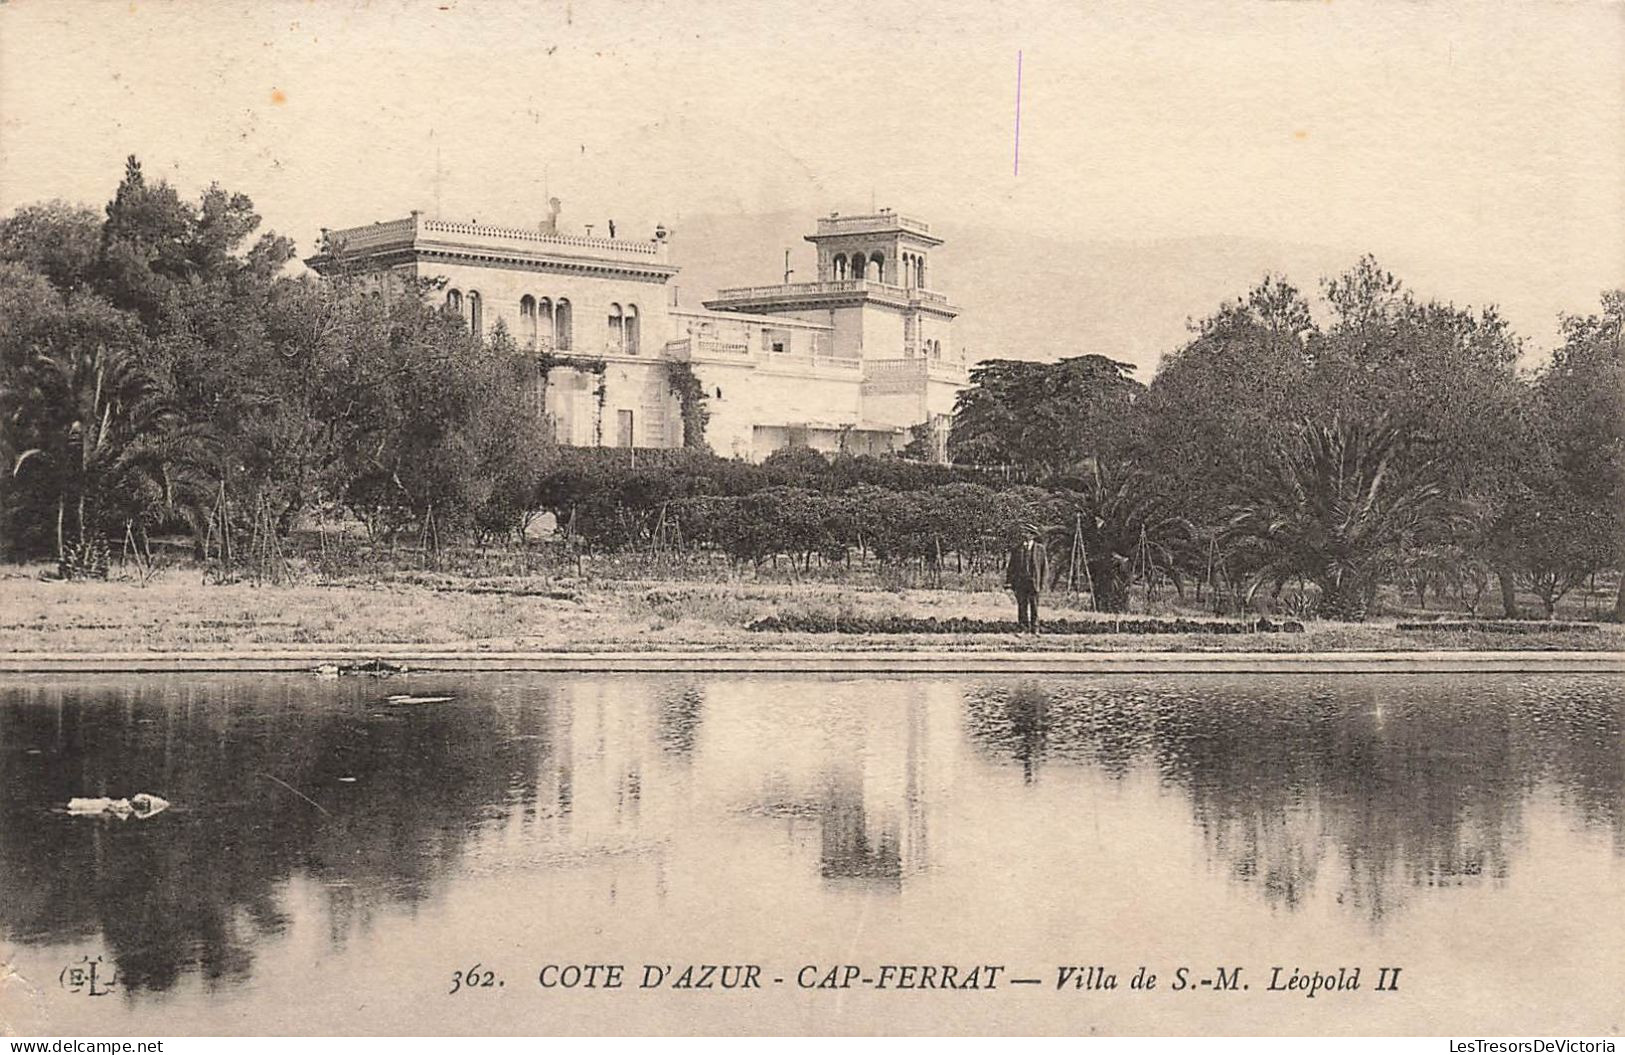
(1017,169)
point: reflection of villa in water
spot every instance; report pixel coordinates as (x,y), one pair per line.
(857,770)
(866,829)
(864,769)
(592,781)
(860,774)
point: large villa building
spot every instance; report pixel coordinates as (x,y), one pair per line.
(855,361)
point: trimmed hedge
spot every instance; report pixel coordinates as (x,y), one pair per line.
(1497,626)
(898,624)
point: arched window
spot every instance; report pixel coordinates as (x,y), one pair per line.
(840,267)
(527,319)
(544,321)
(476,313)
(454,301)
(561,325)
(908,269)
(877,267)
(631,329)
(617,330)
(919,272)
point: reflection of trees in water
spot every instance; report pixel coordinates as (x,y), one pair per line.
(679,717)
(1033,720)
(1590,774)
(1026,713)
(193,887)
(1409,792)
(1411,782)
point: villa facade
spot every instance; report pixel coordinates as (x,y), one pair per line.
(855,361)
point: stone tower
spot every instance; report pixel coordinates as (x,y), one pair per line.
(885,247)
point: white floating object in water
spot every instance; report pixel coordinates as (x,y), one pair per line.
(147,805)
(140,806)
(346,780)
(419,699)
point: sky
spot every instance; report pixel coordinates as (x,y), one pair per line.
(1477,149)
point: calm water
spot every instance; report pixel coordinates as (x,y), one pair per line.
(330,860)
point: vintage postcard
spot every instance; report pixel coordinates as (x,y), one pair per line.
(666,517)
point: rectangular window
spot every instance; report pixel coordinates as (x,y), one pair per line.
(623,429)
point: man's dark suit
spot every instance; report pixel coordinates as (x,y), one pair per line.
(1026,573)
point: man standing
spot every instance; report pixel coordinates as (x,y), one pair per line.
(1025,574)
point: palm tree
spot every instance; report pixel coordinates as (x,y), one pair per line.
(103,438)
(1118,527)
(1338,510)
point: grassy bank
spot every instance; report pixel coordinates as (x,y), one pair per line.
(180,610)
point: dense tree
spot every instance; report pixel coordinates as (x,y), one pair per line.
(1560,540)
(432,424)
(56,240)
(1044,418)
(237,388)
(1572,521)
(1446,380)
(1227,401)
(189,297)
(154,246)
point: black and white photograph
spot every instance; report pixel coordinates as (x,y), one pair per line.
(612,518)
